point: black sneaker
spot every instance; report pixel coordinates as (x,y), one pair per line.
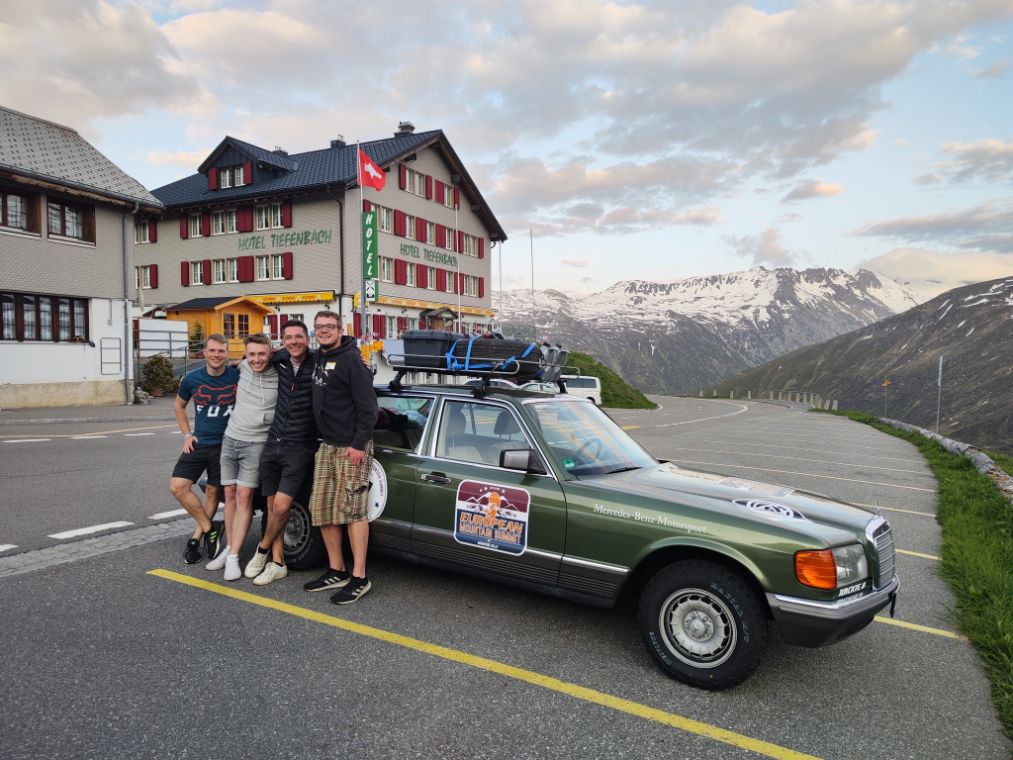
(353,591)
(214,540)
(331,579)
(191,555)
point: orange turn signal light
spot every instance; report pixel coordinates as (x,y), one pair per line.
(816,569)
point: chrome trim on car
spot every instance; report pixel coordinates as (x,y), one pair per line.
(836,609)
(880,535)
(603,566)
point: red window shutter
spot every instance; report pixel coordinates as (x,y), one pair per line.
(460,241)
(441,236)
(212,179)
(248,173)
(152,230)
(245,266)
(459,283)
(402,176)
(153,275)
(286,213)
(399,223)
(481,287)
(421,230)
(439,192)
(206,274)
(366,205)
(429,188)
(401,322)
(457,197)
(422,276)
(244,219)
(441,279)
(184,273)
(356,324)
(205,224)
(272,322)
(400,272)
(286,265)
(184,227)
(481,247)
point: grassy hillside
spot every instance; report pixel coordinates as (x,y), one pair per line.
(615,392)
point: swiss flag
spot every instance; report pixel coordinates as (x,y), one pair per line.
(370,174)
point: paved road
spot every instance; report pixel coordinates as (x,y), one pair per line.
(104,659)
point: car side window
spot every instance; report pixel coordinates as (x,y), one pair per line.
(402,420)
(477,433)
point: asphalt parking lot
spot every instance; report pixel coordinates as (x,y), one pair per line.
(130,653)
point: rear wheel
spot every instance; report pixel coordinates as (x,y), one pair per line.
(703,624)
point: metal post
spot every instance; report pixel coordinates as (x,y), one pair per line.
(939,393)
(534,319)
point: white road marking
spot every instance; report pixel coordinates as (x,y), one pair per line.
(810,450)
(166,515)
(135,435)
(893,509)
(90,529)
(87,437)
(806,474)
(802,459)
(28,440)
(5,547)
(742,408)
(175,432)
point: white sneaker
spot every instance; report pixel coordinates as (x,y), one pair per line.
(256,565)
(232,571)
(272,572)
(218,562)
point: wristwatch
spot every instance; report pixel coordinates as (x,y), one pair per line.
(189,435)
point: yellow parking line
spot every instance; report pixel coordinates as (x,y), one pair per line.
(631,427)
(917,554)
(922,628)
(537,679)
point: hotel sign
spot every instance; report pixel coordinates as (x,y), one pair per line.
(284,239)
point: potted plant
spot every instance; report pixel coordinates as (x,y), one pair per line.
(156,377)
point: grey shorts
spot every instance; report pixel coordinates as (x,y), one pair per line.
(240,462)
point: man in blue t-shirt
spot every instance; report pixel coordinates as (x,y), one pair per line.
(213,390)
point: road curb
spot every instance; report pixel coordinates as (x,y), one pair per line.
(71,420)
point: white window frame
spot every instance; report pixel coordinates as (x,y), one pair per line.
(386,269)
(448,195)
(196,272)
(218,271)
(410,274)
(391,327)
(268,216)
(263,266)
(232,270)
(277,266)
(195,231)
(224,178)
(451,234)
(141,231)
(144,277)
(237,176)
(430,278)
(430,232)
(410,227)
(386,219)
(217,222)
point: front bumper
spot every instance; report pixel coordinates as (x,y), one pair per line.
(811,623)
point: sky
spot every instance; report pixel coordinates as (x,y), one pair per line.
(615,140)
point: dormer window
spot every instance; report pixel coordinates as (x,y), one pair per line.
(231,176)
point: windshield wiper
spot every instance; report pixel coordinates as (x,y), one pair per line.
(622,469)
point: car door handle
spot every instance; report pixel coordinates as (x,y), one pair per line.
(435,477)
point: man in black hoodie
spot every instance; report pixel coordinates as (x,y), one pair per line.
(288,454)
(345,409)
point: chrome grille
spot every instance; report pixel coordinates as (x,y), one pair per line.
(882,537)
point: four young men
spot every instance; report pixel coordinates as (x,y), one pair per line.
(279,408)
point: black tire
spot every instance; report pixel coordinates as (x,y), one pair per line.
(304,548)
(704,624)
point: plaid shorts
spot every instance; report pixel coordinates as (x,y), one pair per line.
(340,489)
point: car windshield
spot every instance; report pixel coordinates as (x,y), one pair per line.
(584,440)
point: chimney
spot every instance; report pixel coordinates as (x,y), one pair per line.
(404,128)
(279,150)
(338,142)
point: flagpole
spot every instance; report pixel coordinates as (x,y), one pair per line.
(362,268)
(458,285)
(534,319)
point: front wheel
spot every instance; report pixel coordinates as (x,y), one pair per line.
(304,548)
(703,624)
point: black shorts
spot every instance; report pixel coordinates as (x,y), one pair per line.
(202,458)
(284,467)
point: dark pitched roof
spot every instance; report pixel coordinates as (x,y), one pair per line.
(201,304)
(58,154)
(317,169)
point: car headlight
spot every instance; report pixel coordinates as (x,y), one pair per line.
(831,568)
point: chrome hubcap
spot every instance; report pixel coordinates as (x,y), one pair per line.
(698,628)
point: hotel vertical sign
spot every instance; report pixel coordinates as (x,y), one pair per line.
(370,264)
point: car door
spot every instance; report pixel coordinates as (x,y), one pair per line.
(397,439)
(470,511)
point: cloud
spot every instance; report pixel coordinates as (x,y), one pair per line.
(949,270)
(764,248)
(994,71)
(988,160)
(988,227)
(812,189)
(78,61)
(185,159)
(576,263)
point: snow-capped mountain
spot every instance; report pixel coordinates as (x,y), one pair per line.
(970,327)
(677,337)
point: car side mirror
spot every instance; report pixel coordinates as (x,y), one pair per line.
(525,460)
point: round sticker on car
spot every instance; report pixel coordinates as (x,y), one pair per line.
(771,508)
(377,498)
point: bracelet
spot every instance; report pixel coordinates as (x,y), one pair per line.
(189,435)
